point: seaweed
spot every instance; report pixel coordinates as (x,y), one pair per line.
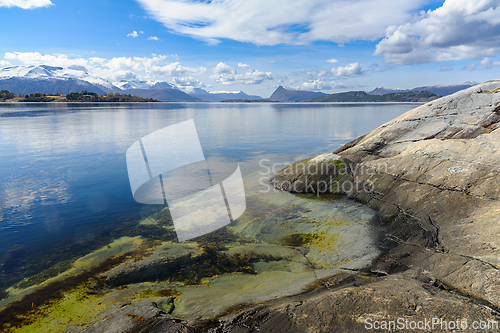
(297,240)
(214,263)
(43,265)
(167,292)
(23,311)
(3,294)
(219,238)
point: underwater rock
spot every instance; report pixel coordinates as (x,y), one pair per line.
(432,175)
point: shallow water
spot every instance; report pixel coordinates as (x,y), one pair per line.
(64,191)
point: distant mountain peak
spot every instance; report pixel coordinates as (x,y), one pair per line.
(440,89)
(282,94)
(217,96)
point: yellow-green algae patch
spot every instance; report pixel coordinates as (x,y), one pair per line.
(58,295)
(245,263)
(116,248)
(75,308)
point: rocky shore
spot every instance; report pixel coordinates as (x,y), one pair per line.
(432,175)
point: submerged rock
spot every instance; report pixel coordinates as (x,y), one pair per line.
(432,174)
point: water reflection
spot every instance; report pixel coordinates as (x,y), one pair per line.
(63,170)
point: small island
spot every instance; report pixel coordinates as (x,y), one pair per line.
(84,96)
(248,101)
(361,96)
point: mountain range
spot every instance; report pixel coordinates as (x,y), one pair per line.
(441,90)
(52,80)
(361,96)
(206,96)
(289,95)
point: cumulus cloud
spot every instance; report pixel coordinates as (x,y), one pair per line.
(332,61)
(156,67)
(349,70)
(228,75)
(458,30)
(4,63)
(153,38)
(264,22)
(35,58)
(25,4)
(223,68)
(188,82)
(486,63)
(175,69)
(133,34)
(320,85)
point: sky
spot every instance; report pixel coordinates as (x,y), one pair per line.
(257,45)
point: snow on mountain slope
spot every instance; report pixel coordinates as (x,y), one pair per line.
(43,72)
(135,84)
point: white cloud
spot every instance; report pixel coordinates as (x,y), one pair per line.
(223,68)
(156,67)
(175,69)
(349,70)
(332,61)
(458,30)
(25,4)
(4,63)
(35,58)
(265,22)
(320,85)
(188,82)
(153,38)
(228,75)
(133,34)
(486,63)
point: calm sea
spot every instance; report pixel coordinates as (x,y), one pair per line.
(63,173)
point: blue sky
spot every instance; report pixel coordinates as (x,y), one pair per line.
(255,46)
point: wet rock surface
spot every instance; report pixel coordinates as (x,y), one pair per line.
(432,174)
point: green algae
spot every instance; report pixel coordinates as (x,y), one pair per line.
(325,197)
(3,294)
(297,240)
(166,292)
(28,309)
(47,273)
(42,266)
(148,244)
(75,308)
(213,262)
(169,308)
(220,238)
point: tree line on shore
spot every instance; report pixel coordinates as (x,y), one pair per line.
(83,96)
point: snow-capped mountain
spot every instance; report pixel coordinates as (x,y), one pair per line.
(440,89)
(136,84)
(50,79)
(385,90)
(217,96)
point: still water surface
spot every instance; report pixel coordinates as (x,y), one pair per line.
(63,173)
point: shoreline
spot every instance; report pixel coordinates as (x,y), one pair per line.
(437,200)
(435,191)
